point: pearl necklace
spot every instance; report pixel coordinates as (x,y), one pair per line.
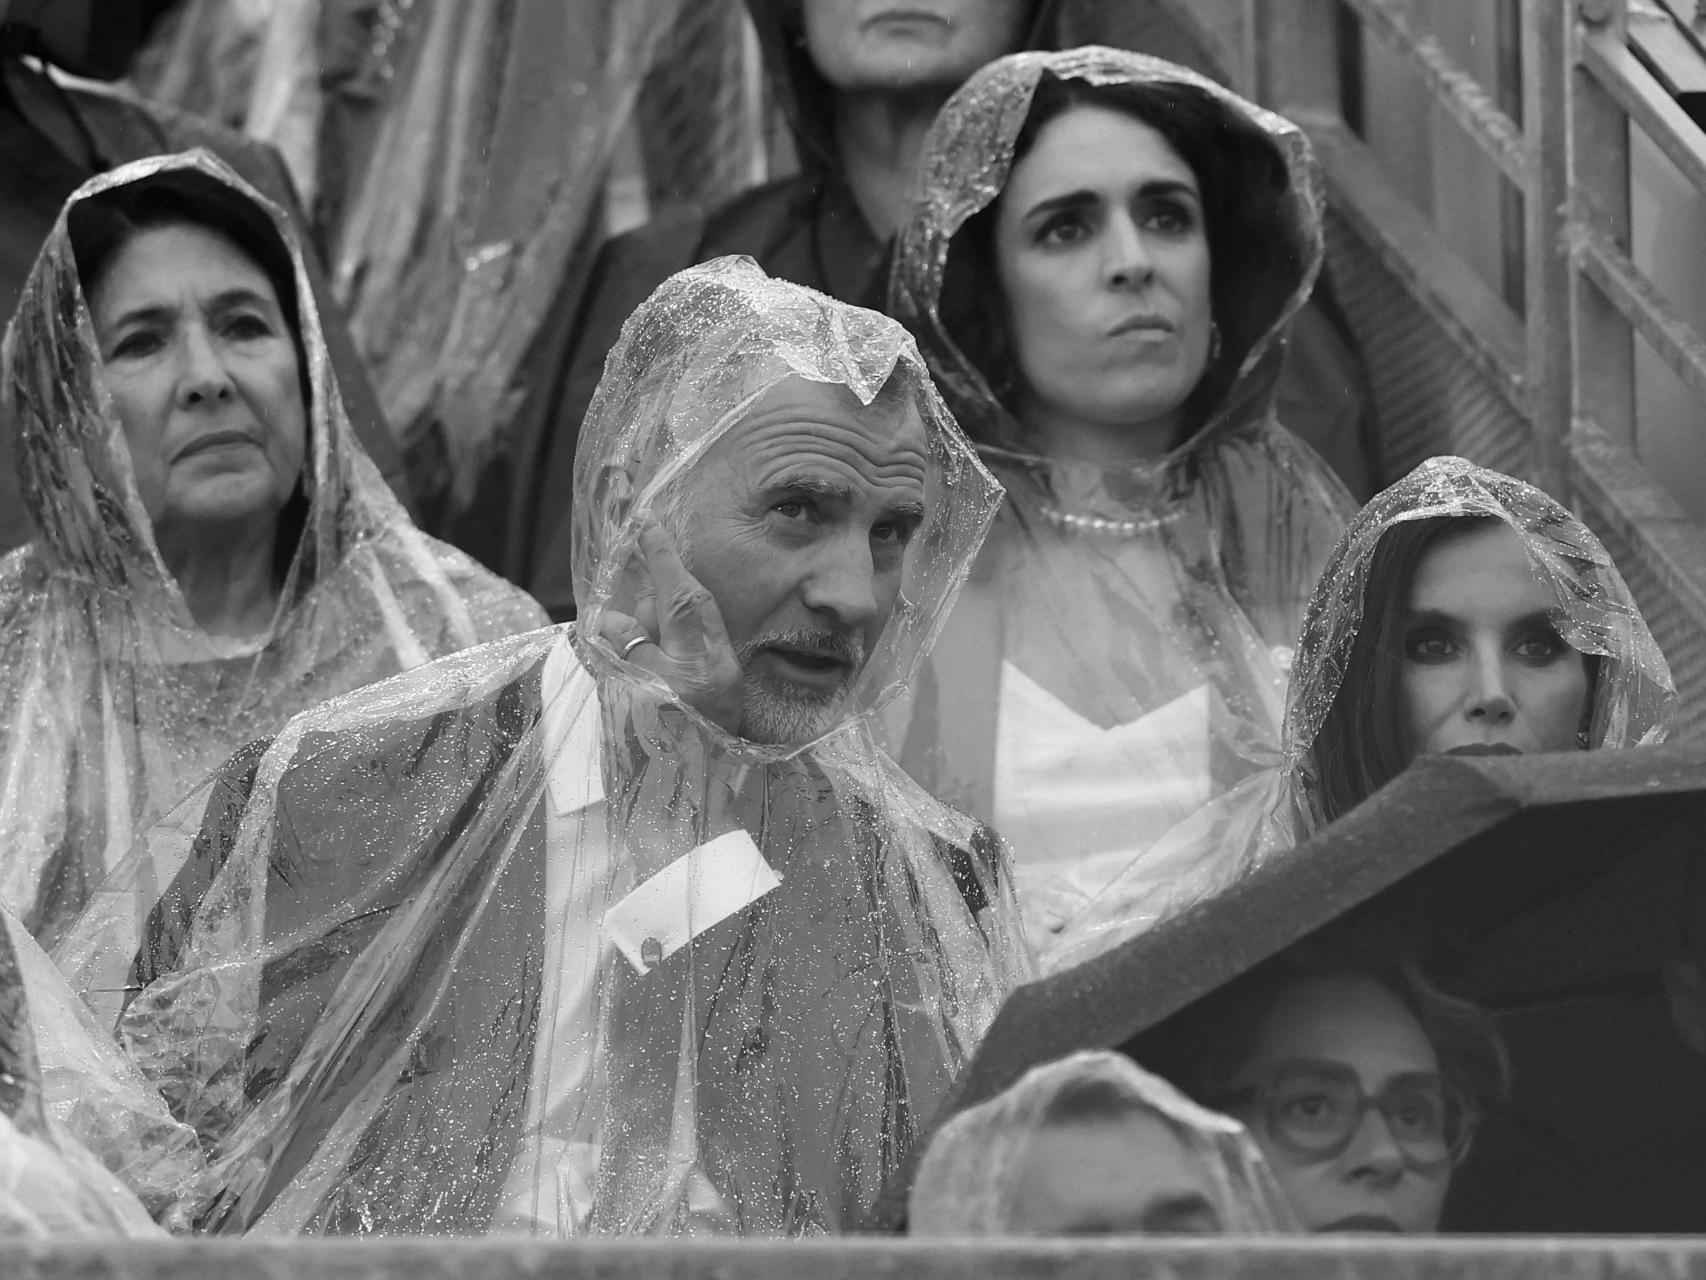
(1103,526)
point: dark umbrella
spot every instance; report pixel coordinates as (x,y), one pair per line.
(1533,884)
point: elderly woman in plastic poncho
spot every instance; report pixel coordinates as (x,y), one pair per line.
(213,552)
(81,1133)
(545,938)
(1101,265)
(1092,1144)
(1464,611)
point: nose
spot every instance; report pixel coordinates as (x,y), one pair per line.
(203,378)
(1129,261)
(1489,701)
(1374,1157)
(843,583)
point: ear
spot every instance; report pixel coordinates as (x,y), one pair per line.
(1685,994)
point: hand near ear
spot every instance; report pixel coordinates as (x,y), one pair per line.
(677,634)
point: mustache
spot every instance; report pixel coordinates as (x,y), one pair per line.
(848,646)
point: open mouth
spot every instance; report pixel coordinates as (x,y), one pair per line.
(1484,749)
(823,668)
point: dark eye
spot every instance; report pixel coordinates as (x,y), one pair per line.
(1429,646)
(792,508)
(1541,646)
(1418,1115)
(1308,1108)
(245,325)
(1172,217)
(898,532)
(1064,228)
(136,344)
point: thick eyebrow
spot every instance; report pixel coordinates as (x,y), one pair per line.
(225,299)
(1439,618)
(1085,197)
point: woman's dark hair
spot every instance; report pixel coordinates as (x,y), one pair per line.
(102,225)
(1202,1049)
(1360,746)
(1243,181)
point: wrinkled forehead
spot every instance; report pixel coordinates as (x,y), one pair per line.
(799,417)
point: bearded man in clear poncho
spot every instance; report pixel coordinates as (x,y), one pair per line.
(626,926)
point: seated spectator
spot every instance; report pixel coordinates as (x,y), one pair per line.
(1462,611)
(626,927)
(1362,1084)
(1101,268)
(1092,1145)
(214,551)
(59,130)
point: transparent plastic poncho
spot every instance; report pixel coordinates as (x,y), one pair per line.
(495,945)
(1119,656)
(969,1178)
(81,1133)
(1633,702)
(113,702)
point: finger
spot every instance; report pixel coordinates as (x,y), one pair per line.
(628,636)
(682,603)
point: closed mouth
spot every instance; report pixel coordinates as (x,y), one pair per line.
(1141,324)
(908,15)
(215,440)
(1485,749)
(1364,1222)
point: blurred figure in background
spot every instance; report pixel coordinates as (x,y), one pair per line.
(215,552)
(54,137)
(1093,1145)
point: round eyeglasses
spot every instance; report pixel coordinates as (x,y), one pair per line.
(1314,1110)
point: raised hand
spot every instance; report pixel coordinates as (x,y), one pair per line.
(677,634)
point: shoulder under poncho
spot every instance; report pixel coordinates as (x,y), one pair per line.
(1119,656)
(1634,699)
(517,941)
(970,1173)
(113,702)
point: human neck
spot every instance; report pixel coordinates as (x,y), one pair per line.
(880,137)
(1066,438)
(225,573)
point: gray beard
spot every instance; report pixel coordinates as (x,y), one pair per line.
(782,713)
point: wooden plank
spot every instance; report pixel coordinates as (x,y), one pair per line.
(1677,341)
(1603,343)
(1467,309)
(1457,92)
(1546,267)
(1604,56)
(1084,1258)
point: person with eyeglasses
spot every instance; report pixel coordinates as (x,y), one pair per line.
(1362,1083)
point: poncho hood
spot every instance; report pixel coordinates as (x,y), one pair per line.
(690,362)
(1634,697)
(113,699)
(968,1181)
(968,155)
(79,484)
